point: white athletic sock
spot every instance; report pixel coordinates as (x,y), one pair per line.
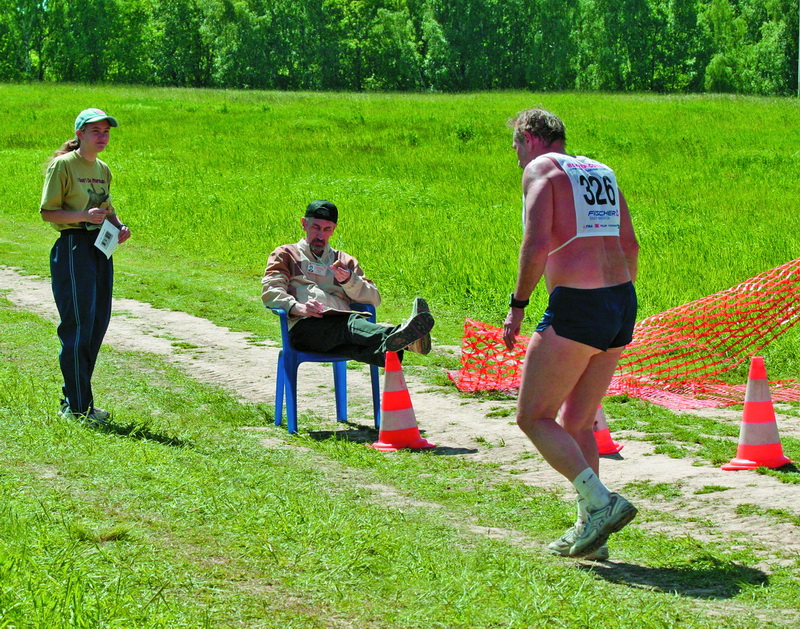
(591,489)
(583,512)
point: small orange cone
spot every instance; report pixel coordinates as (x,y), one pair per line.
(398,423)
(759,442)
(602,434)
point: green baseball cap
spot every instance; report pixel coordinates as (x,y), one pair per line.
(93,115)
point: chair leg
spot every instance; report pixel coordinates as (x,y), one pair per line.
(376,394)
(280,386)
(290,368)
(340,389)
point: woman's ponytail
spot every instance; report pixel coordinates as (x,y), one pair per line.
(67,147)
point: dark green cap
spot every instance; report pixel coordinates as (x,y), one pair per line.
(324,210)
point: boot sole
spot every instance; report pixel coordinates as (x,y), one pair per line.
(417,327)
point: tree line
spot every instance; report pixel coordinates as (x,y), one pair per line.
(742,46)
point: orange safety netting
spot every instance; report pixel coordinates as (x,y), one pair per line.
(676,357)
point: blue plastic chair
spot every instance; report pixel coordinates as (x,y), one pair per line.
(289,360)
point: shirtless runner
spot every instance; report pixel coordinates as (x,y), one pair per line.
(578,235)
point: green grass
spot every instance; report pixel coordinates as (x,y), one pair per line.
(710,489)
(210,181)
(179,517)
(649,489)
(780,515)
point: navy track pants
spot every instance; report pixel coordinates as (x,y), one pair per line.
(82,279)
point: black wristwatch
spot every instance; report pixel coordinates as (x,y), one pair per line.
(517,303)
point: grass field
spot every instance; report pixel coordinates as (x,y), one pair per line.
(183,520)
(211,181)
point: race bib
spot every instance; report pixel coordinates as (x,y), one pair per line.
(594,190)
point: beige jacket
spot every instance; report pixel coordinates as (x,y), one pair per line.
(295,275)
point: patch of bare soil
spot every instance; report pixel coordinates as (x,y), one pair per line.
(472,428)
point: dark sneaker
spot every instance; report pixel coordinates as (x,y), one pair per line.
(419,305)
(563,544)
(412,330)
(421,345)
(601,523)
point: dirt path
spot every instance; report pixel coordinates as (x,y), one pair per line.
(458,426)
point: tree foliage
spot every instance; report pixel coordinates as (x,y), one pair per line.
(745,46)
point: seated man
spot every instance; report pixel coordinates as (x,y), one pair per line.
(315,285)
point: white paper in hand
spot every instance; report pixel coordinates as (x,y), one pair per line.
(108,238)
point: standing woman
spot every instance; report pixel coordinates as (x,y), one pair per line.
(75,201)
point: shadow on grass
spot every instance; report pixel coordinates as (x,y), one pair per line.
(359,433)
(788,473)
(138,431)
(448,451)
(714,580)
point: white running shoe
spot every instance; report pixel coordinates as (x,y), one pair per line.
(601,523)
(563,544)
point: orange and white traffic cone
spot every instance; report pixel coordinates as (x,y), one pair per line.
(398,423)
(759,442)
(602,434)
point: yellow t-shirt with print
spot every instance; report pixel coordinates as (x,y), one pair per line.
(75,184)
